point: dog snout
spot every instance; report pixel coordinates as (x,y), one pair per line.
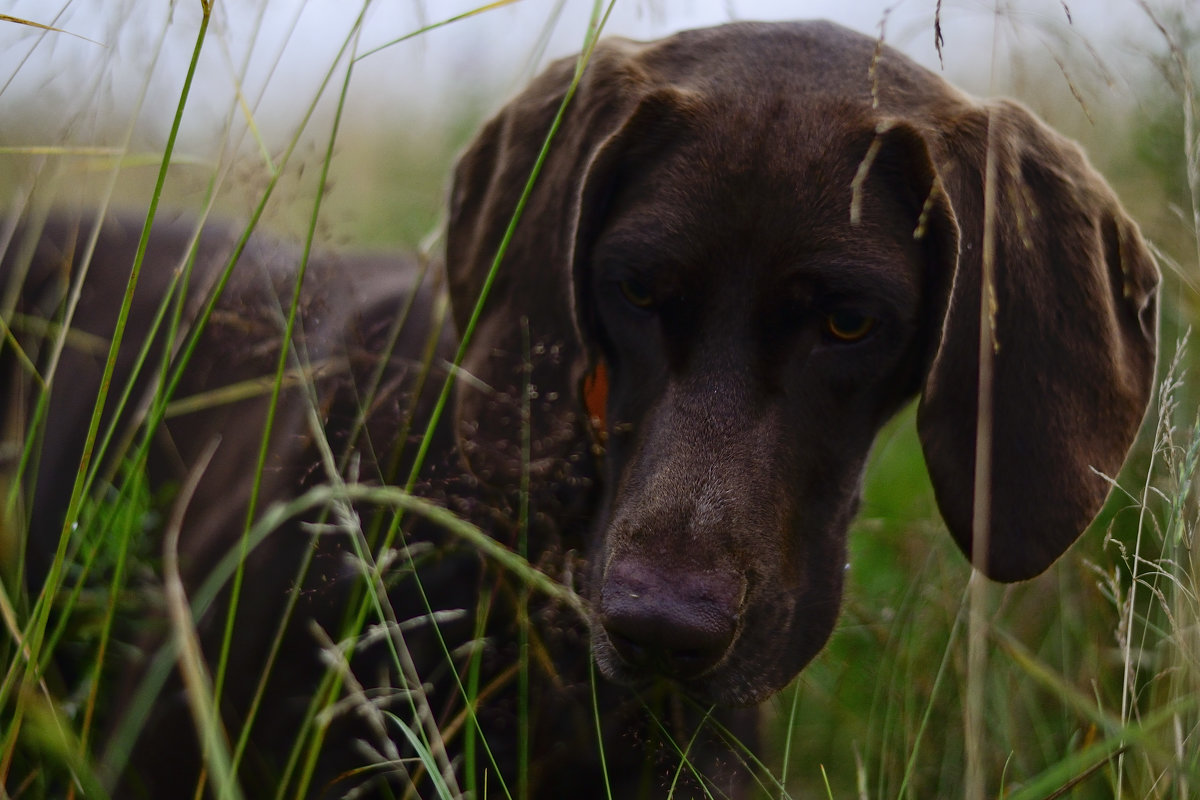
(676,623)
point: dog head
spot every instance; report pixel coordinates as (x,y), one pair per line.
(749,246)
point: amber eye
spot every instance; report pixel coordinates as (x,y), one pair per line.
(847,325)
(637,293)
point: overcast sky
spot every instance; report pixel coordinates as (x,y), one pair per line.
(286,47)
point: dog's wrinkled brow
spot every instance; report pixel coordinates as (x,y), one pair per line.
(883,277)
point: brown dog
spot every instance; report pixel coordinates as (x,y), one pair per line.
(752,245)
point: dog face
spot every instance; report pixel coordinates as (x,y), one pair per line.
(753,344)
(766,252)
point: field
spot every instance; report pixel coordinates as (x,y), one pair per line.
(1082,683)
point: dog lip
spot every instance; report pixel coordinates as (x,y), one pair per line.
(716,686)
(702,684)
(678,665)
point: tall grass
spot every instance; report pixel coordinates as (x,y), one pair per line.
(1089,684)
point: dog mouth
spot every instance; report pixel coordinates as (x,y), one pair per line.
(678,664)
(641,666)
(733,678)
(771,643)
(724,684)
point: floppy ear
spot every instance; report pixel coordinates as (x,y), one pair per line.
(526,333)
(1070,341)
(659,120)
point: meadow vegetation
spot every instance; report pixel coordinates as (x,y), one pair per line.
(1091,687)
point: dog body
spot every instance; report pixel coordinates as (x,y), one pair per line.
(759,242)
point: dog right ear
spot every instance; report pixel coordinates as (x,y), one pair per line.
(525,342)
(660,120)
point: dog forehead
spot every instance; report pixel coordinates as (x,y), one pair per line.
(812,62)
(770,201)
(810,57)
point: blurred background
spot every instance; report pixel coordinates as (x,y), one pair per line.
(86,110)
(99,94)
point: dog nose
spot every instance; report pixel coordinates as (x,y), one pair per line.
(677,624)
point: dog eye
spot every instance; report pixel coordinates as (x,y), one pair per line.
(637,293)
(848,325)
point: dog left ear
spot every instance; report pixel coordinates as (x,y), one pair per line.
(1069,322)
